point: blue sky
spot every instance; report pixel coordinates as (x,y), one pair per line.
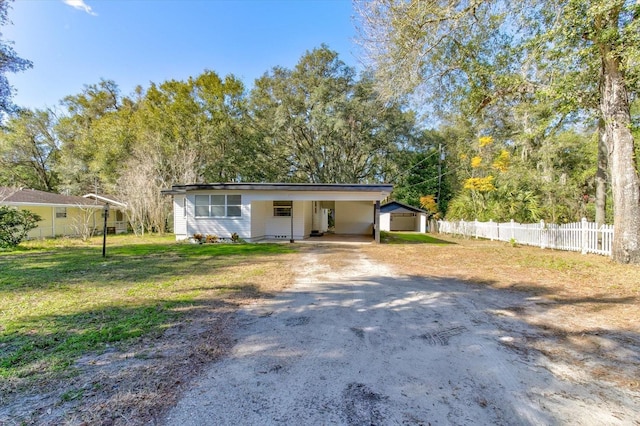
(134,42)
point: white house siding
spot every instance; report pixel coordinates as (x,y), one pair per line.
(280,227)
(259,211)
(179,217)
(385,221)
(308,217)
(354,217)
(354,214)
(222,227)
(423,223)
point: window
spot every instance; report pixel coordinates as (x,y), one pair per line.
(61,212)
(282,208)
(218,205)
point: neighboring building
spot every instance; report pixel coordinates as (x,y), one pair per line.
(396,216)
(65,214)
(264,211)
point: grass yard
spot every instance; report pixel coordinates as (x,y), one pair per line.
(409,238)
(112,341)
(60,300)
(592,282)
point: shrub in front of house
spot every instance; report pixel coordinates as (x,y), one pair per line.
(15,225)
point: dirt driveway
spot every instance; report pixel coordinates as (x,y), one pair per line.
(357,344)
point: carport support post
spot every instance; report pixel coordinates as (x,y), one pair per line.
(376,222)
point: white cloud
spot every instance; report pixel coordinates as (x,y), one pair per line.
(80,5)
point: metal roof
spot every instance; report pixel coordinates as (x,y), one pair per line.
(245,186)
(393,205)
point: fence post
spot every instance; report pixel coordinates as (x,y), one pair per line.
(543,244)
(513,229)
(475,228)
(585,235)
(491,229)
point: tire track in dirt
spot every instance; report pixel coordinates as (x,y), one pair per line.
(356,344)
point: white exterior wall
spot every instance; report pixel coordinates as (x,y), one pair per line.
(179,218)
(354,217)
(385,222)
(259,211)
(423,223)
(277,227)
(354,214)
(308,217)
(223,227)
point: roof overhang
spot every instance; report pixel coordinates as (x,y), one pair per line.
(379,191)
(393,205)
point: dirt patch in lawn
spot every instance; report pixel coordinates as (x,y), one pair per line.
(135,383)
(587,306)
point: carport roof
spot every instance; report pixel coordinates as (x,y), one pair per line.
(242,186)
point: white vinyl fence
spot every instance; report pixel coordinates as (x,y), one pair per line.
(585,237)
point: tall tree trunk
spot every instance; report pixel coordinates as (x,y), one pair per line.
(625,182)
(601,175)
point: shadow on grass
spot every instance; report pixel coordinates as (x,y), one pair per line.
(73,266)
(411,238)
(40,345)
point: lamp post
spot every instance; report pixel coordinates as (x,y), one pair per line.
(104,231)
(291,240)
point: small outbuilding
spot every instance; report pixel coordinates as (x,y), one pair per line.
(396,216)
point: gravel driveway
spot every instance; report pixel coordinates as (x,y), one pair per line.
(359,345)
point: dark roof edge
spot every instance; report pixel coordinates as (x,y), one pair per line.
(182,188)
(406,206)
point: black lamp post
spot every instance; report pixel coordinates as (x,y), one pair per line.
(104,231)
(291,240)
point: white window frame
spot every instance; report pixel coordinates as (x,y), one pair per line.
(61,212)
(282,208)
(213,202)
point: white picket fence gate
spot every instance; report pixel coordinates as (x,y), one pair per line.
(585,237)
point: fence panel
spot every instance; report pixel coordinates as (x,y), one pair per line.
(585,237)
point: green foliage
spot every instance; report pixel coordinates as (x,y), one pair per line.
(420,171)
(15,225)
(29,150)
(10,62)
(322,124)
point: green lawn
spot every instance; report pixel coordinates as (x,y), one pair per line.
(59,299)
(409,238)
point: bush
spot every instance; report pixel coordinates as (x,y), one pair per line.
(15,225)
(212,238)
